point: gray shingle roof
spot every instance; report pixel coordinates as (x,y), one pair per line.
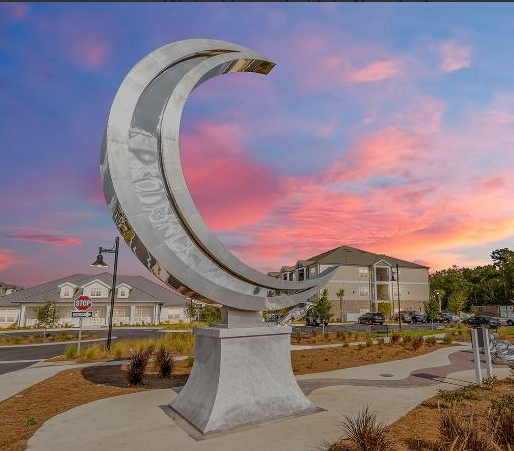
(143,290)
(346,255)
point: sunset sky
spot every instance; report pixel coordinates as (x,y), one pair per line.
(384,126)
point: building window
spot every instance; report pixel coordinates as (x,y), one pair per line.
(363,291)
(66,292)
(96,292)
(119,311)
(363,273)
(123,293)
(142,311)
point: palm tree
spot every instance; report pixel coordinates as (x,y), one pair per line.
(340,295)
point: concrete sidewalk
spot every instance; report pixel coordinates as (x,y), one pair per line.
(138,421)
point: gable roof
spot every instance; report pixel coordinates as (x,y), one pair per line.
(347,255)
(143,290)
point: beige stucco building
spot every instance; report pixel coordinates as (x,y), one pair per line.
(367,279)
(137,301)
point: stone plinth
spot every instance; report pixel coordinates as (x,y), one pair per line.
(240,376)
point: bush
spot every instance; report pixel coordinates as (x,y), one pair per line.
(417,342)
(462,429)
(190,360)
(137,367)
(164,363)
(447,339)
(364,431)
(395,338)
(407,339)
(70,351)
(380,341)
(430,341)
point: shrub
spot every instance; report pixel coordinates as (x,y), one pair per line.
(501,419)
(407,339)
(164,363)
(490,382)
(462,429)
(380,341)
(451,396)
(90,353)
(137,367)
(31,420)
(118,351)
(417,342)
(430,341)
(313,333)
(70,351)
(298,336)
(190,360)
(364,431)
(447,339)
(369,342)
(395,338)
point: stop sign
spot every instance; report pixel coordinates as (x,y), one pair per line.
(83,303)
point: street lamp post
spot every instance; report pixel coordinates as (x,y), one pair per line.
(99,263)
(398,290)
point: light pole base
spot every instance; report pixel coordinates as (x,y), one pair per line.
(240,376)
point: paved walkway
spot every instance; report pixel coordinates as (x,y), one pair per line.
(137,421)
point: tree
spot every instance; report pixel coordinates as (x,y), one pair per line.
(191,310)
(321,309)
(503,261)
(47,315)
(210,314)
(385,309)
(456,302)
(432,308)
(340,295)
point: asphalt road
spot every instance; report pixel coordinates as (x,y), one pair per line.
(14,358)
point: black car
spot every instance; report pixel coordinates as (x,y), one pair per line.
(483,320)
(372,318)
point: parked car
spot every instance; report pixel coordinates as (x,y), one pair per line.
(406,317)
(372,318)
(313,321)
(447,317)
(418,317)
(483,320)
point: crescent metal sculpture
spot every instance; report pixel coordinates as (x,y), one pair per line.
(146,191)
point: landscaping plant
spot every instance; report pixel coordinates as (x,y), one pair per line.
(164,363)
(137,366)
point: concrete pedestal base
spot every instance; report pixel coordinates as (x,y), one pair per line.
(240,376)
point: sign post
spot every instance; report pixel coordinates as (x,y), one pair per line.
(82,304)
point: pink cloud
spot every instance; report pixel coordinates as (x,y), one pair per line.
(42,238)
(455,56)
(7,259)
(375,71)
(230,189)
(94,53)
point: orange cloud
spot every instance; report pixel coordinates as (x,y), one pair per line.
(375,71)
(455,56)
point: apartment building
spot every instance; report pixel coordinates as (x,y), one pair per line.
(367,279)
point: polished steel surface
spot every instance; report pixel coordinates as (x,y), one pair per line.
(146,191)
